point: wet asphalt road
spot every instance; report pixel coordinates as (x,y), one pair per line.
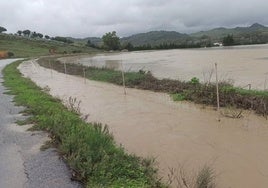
(22,164)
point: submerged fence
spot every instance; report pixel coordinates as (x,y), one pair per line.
(218,93)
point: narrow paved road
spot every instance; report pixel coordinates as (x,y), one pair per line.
(22,164)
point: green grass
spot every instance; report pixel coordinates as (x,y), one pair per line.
(89,149)
(26,47)
(178,97)
(98,74)
(192,90)
(114,76)
(244,92)
(205,178)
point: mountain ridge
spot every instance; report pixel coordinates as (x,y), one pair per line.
(255,34)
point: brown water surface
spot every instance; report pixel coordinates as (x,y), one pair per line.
(150,124)
(242,64)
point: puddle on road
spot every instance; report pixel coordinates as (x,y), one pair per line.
(150,124)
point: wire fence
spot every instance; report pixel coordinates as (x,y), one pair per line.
(217,93)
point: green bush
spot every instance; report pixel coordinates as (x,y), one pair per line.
(10,54)
(195,81)
(178,97)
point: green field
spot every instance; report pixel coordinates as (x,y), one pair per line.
(27,47)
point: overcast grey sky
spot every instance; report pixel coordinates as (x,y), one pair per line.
(83,18)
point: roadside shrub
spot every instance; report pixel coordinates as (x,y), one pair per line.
(195,81)
(10,54)
(76,51)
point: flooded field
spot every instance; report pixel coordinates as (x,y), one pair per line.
(150,124)
(244,64)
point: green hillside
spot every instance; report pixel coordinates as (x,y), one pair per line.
(26,47)
(156,38)
(253,34)
(94,40)
(22,46)
(153,38)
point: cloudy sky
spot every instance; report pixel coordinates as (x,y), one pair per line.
(83,18)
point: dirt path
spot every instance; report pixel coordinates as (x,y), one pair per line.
(22,164)
(150,124)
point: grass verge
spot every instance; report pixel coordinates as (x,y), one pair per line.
(89,149)
(192,90)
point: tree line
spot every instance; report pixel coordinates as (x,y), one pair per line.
(36,35)
(110,41)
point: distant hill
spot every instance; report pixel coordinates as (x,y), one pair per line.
(255,33)
(94,40)
(155,38)
(152,38)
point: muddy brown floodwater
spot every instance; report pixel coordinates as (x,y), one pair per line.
(242,64)
(176,133)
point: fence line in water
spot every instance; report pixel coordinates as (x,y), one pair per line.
(216,93)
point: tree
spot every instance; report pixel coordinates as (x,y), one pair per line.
(90,44)
(228,40)
(2,29)
(62,39)
(128,46)
(10,54)
(26,32)
(47,37)
(111,41)
(19,32)
(40,35)
(34,35)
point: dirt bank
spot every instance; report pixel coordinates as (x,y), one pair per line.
(150,124)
